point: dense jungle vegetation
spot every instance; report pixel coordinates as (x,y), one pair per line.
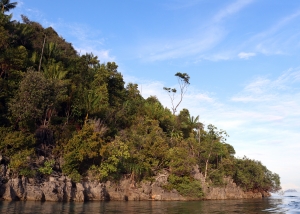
(62,112)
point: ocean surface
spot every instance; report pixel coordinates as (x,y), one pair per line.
(287,203)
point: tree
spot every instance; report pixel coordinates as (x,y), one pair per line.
(193,123)
(144,138)
(213,137)
(183,81)
(32,100)
(253,175)
(93,100)
(189,123)
(6,5)
(83,149)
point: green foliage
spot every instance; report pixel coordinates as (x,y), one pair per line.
(13,142)
(34,96)
(18,147)
(19,162)
(181,162)
(115,154)
(143,140)
(252,175)
(185,185)
(217,177)
(85,146)
(5,5)
(47,169)
(27,172)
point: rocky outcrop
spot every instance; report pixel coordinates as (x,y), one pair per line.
(229,191)
(54,189)
(61,188)
(129,190)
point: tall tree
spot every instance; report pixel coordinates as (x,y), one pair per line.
(213,137)
(6,5)
(33,98)
(183,81)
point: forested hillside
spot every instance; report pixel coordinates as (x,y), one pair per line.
(62,112)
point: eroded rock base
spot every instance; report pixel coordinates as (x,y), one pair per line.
(61,188)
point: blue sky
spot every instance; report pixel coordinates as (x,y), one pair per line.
(242,57)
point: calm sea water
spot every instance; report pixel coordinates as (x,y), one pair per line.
(288,203)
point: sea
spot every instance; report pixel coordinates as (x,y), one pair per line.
(284,203)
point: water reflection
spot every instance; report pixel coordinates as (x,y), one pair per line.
(157,207)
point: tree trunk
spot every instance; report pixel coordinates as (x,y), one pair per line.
(199,136)
(42,54)
(206,165)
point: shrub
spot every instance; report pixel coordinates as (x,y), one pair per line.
(185,185)
(47,168)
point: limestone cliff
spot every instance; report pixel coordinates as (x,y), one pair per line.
(61,188)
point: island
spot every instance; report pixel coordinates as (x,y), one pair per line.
(290,190)
(72,130)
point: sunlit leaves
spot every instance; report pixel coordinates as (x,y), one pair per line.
(252,175)
(85,145)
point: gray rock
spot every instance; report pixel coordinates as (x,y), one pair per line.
(94,191)
(13,190)
(34,193)
(53,190)
(61,188)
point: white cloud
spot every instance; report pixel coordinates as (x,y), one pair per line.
(276,40)
(85,40)
(220,56)
(263,89)
(245,55)
(279,25)
(103,55)
(231,9)
(205,38)
(199,97)
(281,38)
(165,50)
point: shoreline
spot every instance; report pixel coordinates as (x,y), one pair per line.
(62,189)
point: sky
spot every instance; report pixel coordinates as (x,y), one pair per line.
(242,57)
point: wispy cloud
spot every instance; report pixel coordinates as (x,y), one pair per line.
(279,25)
(245,55)
(231,9)
(276,39)
(183,48)
(263,89)
(216,56)
(85,40)
(204,39)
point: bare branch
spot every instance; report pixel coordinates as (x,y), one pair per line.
(183,81)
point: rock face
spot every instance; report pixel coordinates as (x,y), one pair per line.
(229,191)
(54,189)
(61,188)
(128,190)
